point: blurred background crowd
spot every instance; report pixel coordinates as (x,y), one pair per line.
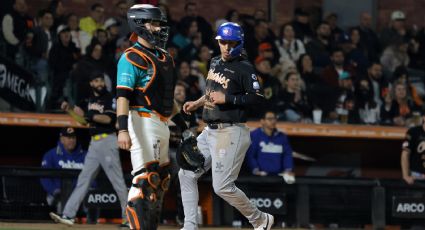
(309,71)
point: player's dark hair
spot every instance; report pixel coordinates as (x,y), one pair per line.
(321,23)
(300,66)
(90,48)
(282,31)
(182,83)
(268,111)
(335,50)
(95,6)
(185,24)
(288,75)
(43,12)
(372,63)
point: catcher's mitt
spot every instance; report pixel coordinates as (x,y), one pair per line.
(188,155)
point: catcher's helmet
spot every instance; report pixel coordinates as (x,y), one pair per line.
(230,31)
(140,14)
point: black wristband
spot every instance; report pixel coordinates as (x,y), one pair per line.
(122,122)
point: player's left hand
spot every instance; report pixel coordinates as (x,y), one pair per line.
(217,97)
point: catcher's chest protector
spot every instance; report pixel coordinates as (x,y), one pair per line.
(158,94)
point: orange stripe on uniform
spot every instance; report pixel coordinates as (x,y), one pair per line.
(136,220)
(154,68)
(161,117)
(149,115)
(132,62)
(147,99)
(124,87)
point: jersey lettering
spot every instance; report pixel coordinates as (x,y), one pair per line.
(219,78)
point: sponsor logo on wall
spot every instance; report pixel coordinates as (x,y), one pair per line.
(408,207)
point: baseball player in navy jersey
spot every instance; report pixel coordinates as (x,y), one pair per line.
(231,86)
(145,90)
(66,155)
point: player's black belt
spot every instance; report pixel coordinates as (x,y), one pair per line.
(219,125)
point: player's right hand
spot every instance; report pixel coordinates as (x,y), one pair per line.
(124,141)
(189,107)
(409,180)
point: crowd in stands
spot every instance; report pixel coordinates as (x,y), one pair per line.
(353,75)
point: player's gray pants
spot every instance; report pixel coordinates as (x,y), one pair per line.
(224,151)
(102,153)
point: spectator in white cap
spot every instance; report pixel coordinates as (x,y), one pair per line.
(396,30)
(111,26)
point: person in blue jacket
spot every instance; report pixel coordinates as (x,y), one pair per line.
(66,155)
(270,152)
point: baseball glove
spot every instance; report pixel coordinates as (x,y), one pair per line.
(188,155)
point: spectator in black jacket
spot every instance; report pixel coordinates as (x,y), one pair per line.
(368,37)
(15,27)
(395,31)
(184,39)
(296,106)
(270,85)
(319,47)
(58,11)
(302,27)
(62,58)
(203,25)
(90,63)
(317,91)
(40,46)
(332,19)
(377,83)
(253,40)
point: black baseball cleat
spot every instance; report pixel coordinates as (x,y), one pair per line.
(267,223)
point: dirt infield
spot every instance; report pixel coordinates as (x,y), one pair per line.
(48,226)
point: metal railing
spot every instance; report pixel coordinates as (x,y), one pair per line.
(351,201)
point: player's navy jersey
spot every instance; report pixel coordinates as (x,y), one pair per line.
(415,144)
(236,78)
(59,158)
(104,104)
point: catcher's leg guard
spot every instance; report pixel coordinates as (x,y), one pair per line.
(142,198)
(160,191)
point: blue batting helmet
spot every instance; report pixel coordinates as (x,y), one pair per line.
(230,31)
